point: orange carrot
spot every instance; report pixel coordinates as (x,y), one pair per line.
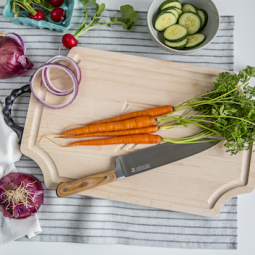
(138,122)
(124,139)
(154,112)
(146,130)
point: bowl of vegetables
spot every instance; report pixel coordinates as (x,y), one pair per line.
(50,14)
(183,27)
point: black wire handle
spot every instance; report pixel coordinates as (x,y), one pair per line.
(8,107)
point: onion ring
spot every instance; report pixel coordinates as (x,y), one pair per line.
(72,76)
(46,80)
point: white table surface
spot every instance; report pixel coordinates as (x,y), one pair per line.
(244,55)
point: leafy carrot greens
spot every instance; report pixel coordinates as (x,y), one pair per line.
(227,111)
(129,17)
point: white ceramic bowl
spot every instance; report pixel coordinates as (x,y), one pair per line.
(210,30)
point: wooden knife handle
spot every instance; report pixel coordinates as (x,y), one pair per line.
(68,189)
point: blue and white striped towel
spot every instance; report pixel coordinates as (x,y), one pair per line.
(91,220)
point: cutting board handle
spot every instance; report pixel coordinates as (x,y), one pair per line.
(8,107)
(68,189)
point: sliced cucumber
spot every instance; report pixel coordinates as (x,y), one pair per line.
(176,33)
(169,3)
(172,10)
(204,17)
(189,8)
(191,21)
(165,20)
(179,11)
(194,40)
(177,45)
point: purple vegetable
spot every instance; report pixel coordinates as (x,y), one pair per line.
(19,40)
(12,58)
(71,75)
(46,76)
(21,195)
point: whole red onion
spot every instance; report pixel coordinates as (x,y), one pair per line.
(21,195)
(12,58)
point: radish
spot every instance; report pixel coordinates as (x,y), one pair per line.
(129,17)
(38,16)
(56,3)
(69,41)
(58,14)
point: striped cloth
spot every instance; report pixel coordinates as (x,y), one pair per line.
(91,220)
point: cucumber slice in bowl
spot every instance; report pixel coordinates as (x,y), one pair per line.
(177,45)
(169,3)
(204,17)
(191,21)
(194,40)
(189,8)
(179,11)
(164,20)
(176,33)
(172,10)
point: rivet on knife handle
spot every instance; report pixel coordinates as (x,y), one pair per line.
(68,189)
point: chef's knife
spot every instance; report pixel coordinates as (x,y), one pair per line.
(135,163)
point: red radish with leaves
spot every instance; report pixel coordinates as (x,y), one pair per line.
(58,15)
(69,41)
(56,3)
(129,17)
(28,5)
(38,16)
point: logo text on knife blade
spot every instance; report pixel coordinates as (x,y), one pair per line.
(137,169)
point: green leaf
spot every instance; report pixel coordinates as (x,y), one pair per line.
(222,110)
(126,11)
(109,25)
(96,20)
(134,17)
(113,19)
(100,9)
(123,21)
(96,4)
(250,71)
(129,16)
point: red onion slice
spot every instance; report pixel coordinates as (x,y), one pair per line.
(46,77)
(51,89)
(70,61)
(72,76)
(18,39)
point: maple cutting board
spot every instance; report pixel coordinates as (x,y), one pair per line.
(114,84)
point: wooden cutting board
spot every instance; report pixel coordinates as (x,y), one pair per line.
(114,84)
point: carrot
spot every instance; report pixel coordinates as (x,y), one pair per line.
(154,112)
(138,122)
(146,130)
(124,139)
